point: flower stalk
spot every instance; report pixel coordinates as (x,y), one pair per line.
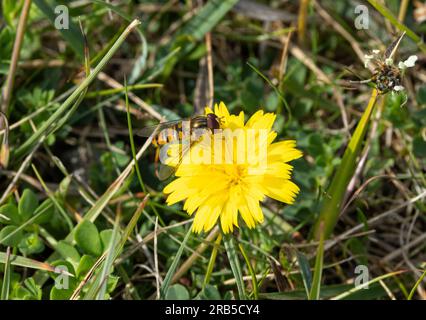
(334,198)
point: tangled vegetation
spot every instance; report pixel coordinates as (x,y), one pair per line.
(83,214)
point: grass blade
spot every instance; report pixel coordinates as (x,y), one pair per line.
(305,271)
(58,114)
(251,271)
(235,264)
(212,260)
(410,296)
(26,262)
(109,257)
(314,294)
(26,223)
(6,277)
(358,288)
(172,269)
(385,12)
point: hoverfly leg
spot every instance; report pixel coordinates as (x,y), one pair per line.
(361,81)
(157,157)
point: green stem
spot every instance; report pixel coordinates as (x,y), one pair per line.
(410,296)
(251,271)
(212,260)
(335,194)
(314,294)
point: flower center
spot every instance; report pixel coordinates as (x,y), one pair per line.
(235,174)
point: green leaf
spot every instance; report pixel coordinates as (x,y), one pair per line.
(10,211)
(63,186)
(48,210)
(26,263)
(305,271)
(106,236)
(86,263)
(177,292)
(34,290)
(172,269)
(228,240)
(373,292)
(63,265)
(68,252)
(63,293)
(27,204)
(335,194)
(11,9)
(88,239)
(419,147)
(315,292)
(12,241)
(209,293)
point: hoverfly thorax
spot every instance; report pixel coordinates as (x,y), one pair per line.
(213,121)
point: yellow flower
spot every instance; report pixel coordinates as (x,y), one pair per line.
(224,189)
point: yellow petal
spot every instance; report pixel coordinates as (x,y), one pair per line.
(281,190)
(283,151)
(208,110)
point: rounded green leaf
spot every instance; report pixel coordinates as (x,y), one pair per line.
(27,204)
(177,292)
(106,236)
(9,214)
(48,209)
(61,265)
(13,240)
(63,290)
(210,293)
(68,252)
(86,263)
(88,239)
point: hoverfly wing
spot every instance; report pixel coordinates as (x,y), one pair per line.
(164,172)
(173,154)
(390,51)
(147,131)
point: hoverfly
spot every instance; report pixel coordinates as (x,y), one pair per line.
(172,132)
(386,76)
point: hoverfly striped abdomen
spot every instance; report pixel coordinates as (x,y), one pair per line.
(179,131)
(167,135)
